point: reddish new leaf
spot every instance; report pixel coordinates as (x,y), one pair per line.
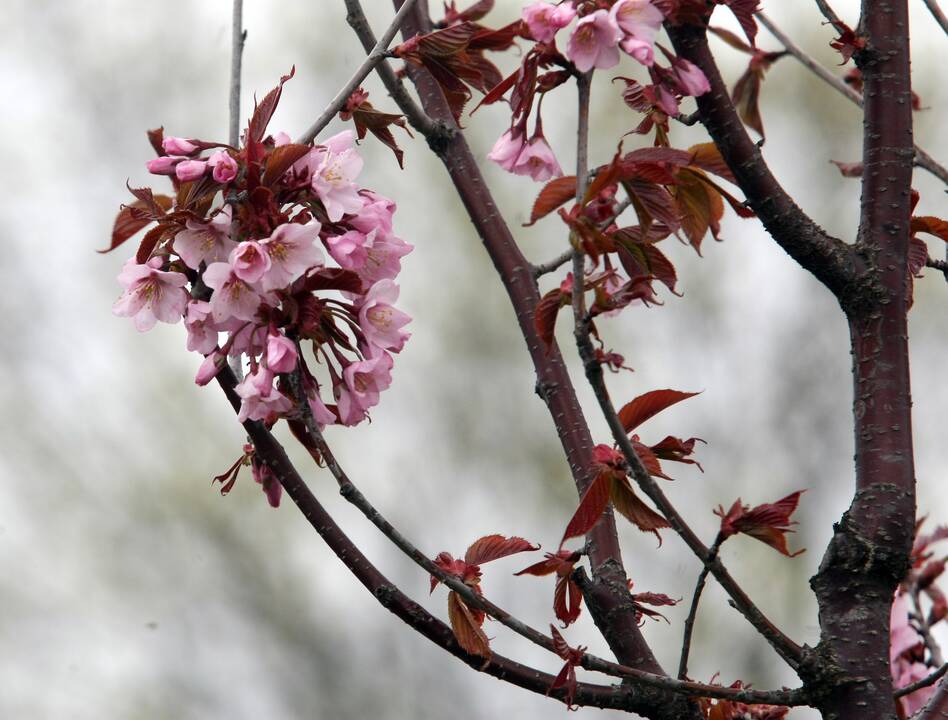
(566,678)
(128,222)
(768,523)
(567,600)
(474,12)
(263,111)
(493,547)
(931,225)
(152,239)
(544,316)
(677,450)
(649,460)
(744,12)
(700,207)
(645,406)
(746,97)
(627,503)
(707,157)
(467,630)
(591,507)
(333,279)
(917,256)
(281,159)
(554,193)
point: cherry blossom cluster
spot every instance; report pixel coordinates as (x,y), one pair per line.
(602,29)
(240,254)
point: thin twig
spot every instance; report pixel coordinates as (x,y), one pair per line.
(936,12)
(925,630)
(238,36)
(939,264)
(270,452)
(828,12)
(693,612)
(923,683)
(583,83)
(376,56)
(811,63)
(922,158)
(785,647)
(416,116)
(353,495)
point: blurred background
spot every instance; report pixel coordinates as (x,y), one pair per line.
(131,589)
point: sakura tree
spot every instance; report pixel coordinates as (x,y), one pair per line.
(283,268)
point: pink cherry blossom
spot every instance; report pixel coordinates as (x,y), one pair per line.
(188,170)
(281,354)
(249,261)
(594,42)
(223,167)
(363,381)
(376,213)
(691,81)
(380,322)
(337,164)
(260,400)
(150,294)
(164,165)
(232,297)
(178,146)
(202,331)
(209,369)
(321,414)
(246,339)
(281,138)
(507,149)
(383,257)
(349,248)
(205,242)
(544,20)
(638,21)
(268,481)
(292,251)
(666,100)
(537,161)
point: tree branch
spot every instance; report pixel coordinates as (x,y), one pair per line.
(354,496)
(937,705)
(375,56)
(785,647)
(553,381)
(922,158)
(923,683)
(828,258)
(417,117)
(389,596)
(828,12)
(936,12)
(693,612)
(238,36)
(869,553)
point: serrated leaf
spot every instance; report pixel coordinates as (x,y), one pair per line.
(567,600)
(263,111)
(630,506)
(649,461)
(281,159)
(149,243)
(467,631)
(656,202)
(707,157)
(931,225)
(128,222)
(917,255)
(746,98)
(701,208)
(553,195)
(494,547)
(649,404)
(591,507)
(544,316)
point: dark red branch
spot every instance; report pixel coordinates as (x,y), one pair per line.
(515,272)
(828,258)
(868,554)
(389,596)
